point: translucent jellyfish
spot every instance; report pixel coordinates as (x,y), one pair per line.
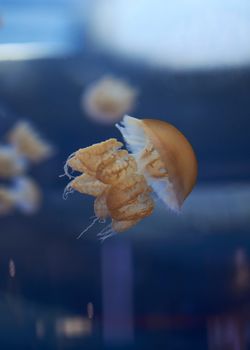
(161,160)
(25,147)
(108,99)
(28,143)
(27,195)
(7,200)
(23,195)
(11,164)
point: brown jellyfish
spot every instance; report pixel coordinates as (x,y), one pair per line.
(28,143)
(109,173)
(164,156)
(107,99)
(161,160)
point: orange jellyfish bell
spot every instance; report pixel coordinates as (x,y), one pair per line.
(164,156)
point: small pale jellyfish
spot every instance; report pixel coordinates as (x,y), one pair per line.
(107,99)
(161,161)
(7,200)
(27,195)
(11,164)
(23,195)
(28,143)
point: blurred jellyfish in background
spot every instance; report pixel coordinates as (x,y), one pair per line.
(28,143)
(241,280)
(108,99)
(11,164)
(27,195)
(7,200)
(71,327)
(161,160)
(17,190)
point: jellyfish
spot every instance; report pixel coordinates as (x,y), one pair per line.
(161,162)
(11,164)
(28,143)
(108,99)
(24,195)
(25,147)
(7,200)
(27,195)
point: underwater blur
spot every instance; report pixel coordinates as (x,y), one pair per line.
(69,71)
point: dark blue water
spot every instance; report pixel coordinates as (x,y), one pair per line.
(173,281)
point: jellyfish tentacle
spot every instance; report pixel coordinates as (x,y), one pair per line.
(66,166)
(109,234)
(88,227)
(67,191)
(102,232)
(150,161)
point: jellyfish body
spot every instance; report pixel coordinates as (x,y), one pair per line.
(24,195)
(7,200)
(25,147)
(108,99)
(11,164)
(27,195)
(28,143)
(161,160)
